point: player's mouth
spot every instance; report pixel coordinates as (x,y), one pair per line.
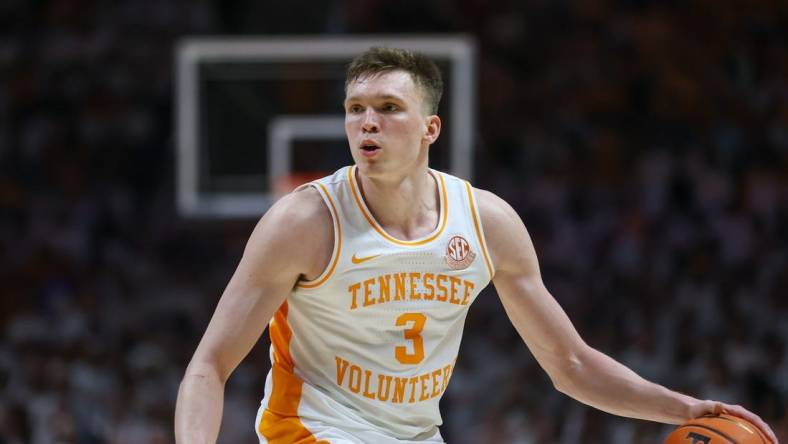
(369,148)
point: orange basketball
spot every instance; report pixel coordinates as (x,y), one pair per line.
(713,429)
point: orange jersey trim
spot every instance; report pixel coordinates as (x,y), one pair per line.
(318,282)
(280,334)
(476,227)
(280,423)
(374,224)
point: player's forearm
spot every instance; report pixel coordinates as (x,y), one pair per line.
(601,382)
(198,412)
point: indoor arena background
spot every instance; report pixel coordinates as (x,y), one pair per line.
(644,143)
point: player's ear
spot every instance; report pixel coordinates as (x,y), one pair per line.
(433,129)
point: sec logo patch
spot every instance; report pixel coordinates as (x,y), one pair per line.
(458,253)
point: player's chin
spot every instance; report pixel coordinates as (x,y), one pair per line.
(373,169)
(366,161)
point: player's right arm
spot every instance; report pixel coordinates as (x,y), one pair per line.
(293,240)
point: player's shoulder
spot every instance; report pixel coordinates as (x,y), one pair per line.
(302,206)
(299,215)
(490,205)
(494,211)
(507,238)
(297,230)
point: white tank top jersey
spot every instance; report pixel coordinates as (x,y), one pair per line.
(364,352)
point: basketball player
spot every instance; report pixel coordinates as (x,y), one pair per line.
(365,278)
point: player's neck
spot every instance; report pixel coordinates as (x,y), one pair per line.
(407,206)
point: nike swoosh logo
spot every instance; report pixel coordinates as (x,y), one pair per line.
(361,260)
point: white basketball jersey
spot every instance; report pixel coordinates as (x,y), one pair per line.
(368,348)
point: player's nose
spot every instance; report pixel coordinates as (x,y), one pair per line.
(370,122)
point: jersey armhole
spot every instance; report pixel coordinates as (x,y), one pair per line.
(332,264)
(479,229)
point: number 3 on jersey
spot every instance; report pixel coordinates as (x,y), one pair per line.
(413,333)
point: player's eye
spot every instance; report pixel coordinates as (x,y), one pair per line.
(390,107)
(355,109)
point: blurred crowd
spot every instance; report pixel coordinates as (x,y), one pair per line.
(644,143)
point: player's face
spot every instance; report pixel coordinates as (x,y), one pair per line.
(387,125)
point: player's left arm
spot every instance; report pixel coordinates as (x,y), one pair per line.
(574,367)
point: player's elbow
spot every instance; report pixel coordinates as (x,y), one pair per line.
(201,370)
(565,380)
(567,373)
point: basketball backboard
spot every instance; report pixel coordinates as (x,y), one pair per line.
(256,116)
